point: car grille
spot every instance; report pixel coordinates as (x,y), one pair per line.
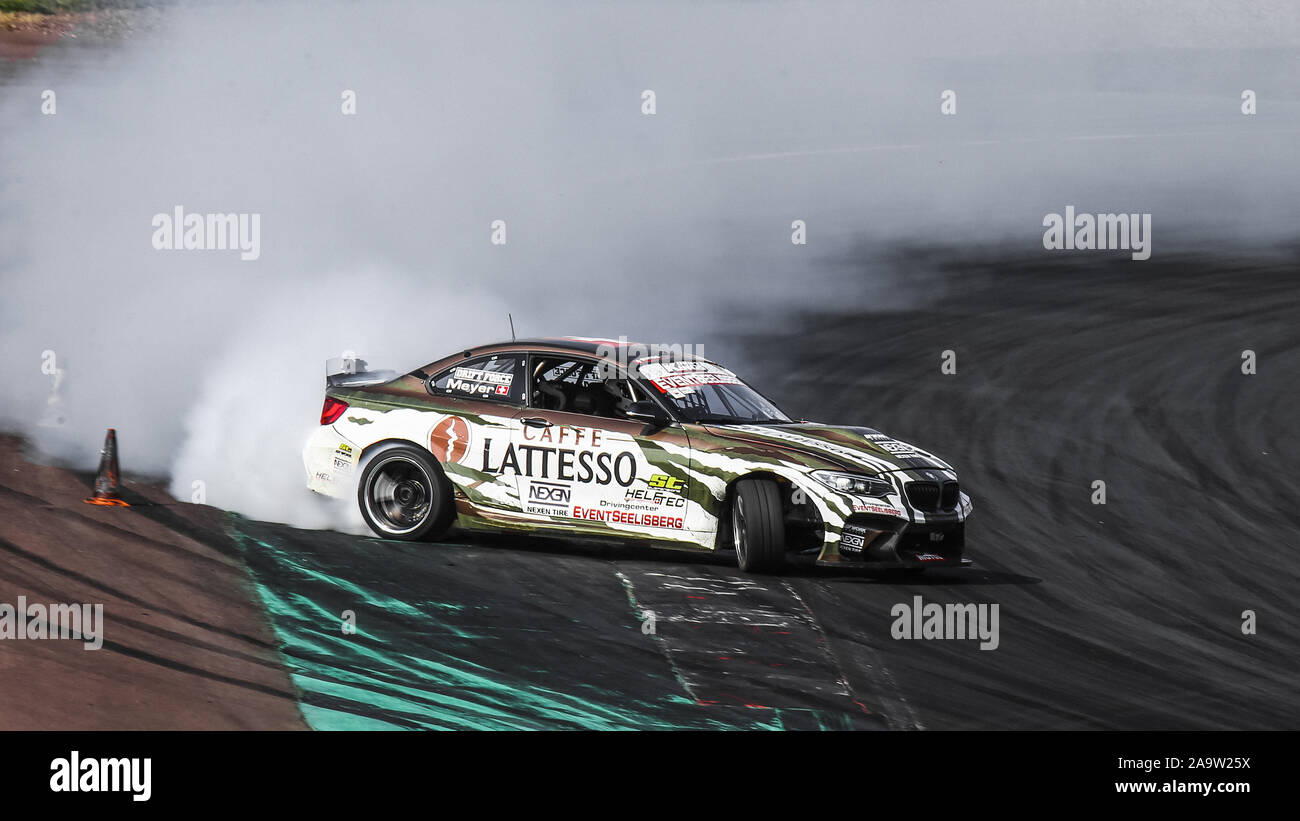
(930,497)
(948,496)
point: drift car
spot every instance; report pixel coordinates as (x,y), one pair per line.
(568,437)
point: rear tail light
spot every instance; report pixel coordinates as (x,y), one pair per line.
(332,410)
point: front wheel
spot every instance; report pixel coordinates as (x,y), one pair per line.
(758,525)
(403,494)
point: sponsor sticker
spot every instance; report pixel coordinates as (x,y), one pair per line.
(896,447)
(343,458)
(654,497)
(583,473)
(550,494)
(480,375)
(563,464)
(478,382)
(882,510)
(666,482)
(628,517)
(678,379)
(852,541)
(625,505)
(449,440)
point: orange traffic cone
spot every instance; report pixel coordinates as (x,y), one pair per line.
(106,479)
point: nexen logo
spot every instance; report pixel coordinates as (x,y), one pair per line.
(552,494)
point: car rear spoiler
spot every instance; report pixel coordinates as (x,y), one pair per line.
(351,372)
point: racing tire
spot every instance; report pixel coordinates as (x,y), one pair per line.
(758,526)
(404,495)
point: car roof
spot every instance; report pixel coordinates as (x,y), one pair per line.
(593,346)
(582,344)
(598,347)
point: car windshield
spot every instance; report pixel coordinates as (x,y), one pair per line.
(703,392)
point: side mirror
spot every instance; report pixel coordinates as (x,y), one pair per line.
(648,412)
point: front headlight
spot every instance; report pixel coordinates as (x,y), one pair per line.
(854,484)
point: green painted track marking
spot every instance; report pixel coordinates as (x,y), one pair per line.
(411,664)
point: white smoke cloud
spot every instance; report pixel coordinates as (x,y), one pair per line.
(668,228)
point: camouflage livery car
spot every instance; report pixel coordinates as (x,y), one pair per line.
(569,437)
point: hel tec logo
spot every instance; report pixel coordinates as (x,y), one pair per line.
(449,439)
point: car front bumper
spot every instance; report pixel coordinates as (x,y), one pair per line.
(937,539)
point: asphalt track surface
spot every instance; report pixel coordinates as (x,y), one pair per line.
(185,642)
(1126,615)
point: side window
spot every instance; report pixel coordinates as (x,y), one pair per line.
(498,378)
(578,386)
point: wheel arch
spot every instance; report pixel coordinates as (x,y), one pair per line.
(722,539)
(370,450)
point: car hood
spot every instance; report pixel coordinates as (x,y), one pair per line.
(855,449)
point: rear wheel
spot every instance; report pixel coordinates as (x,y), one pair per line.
(403,494)
(758,526)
